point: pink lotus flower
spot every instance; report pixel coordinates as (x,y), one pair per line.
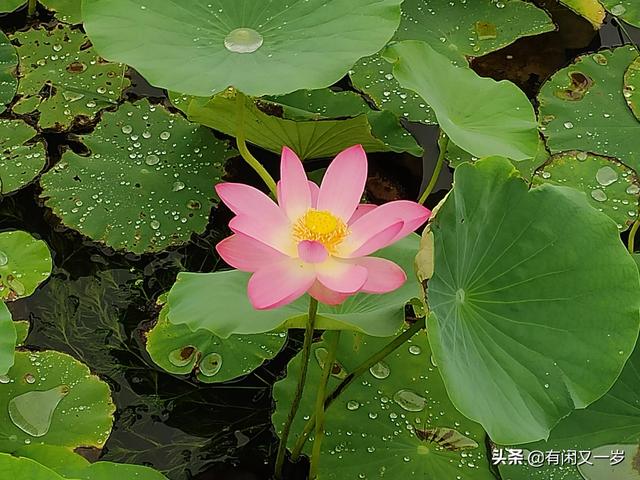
(315,240)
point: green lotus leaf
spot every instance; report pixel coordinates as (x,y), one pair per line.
(67,11)
(63,78)
(592,10)
(612,420)
(627,10)
(218,302)
(51,398)
(609,186)
(391,420)
(631,90)
(21,159)
(309,139)
(22,331)
(24,263)
(10,5)
(534,301)
(456,29)
(480,115)
(176,349)
(23,468)
(457,156)
(582,107)
(8,64)
(72,466)
(8,339)
(147,184)
(327,104)
(202,48)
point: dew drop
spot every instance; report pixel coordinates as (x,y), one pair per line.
(127,129)
(415,350)
(633,189)
(243,40)
(606,176)
(618,10)
(353,405)
(380,370)
(181,357)
(177,186)
(582,156)
(57,47)
(155,224)
(32,412)
(4,379)
(3,259)
(598,195)
(165,135)
(29,378)
(211,364)
(546,174)
(152,159)
(568,125)
(410,401)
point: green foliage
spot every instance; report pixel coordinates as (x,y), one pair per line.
(8,338)
(627,10)
(582,107)
(592,10)
(49,397)
(534,301)
(10,5)
(218,302)
(308,138)
(455,28)
(480,115)
(147,184)
(631,90)
(8,64)
(179,350)
(67,11)
(609,186)
(201,48)
(62,78)
(396,419)
(21,157)
(24,263)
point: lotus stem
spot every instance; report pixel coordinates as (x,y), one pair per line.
(295,404)
(333,338)
(353,376)
(31,9)
(632,236)
(443,143)
(242,145)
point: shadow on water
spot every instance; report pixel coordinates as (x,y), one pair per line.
(98,303)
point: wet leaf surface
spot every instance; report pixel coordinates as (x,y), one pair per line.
(8,64)
(147,184)
(24,264)
(22,157)
(8,337)
(62,78)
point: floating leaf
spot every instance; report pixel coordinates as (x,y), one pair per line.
(10,5)
(482,116)
(627,10)
(613,419)
(8,64)
(309,139)
(148,183)
(327,104)
(21,160)
(63,78)
(67,11)
(178,350)
(609,186)
(8,337)
(392,421)
(582,107)
(74,467)
(52,398)
(592,10)
(262,49)
(20,467)
(218,302)
(534,301)
(24,263)
(455,29)
(631,90)
(22,331)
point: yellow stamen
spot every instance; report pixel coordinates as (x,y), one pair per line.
(320,226)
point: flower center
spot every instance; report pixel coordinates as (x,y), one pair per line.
(320,226)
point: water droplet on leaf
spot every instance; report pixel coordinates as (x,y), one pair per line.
(410,401)
(32,412)
(243,40)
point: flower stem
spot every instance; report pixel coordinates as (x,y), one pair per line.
(332,339)
(443,143)
(306,352)
(362,368)
(632,236)
(242,145)
(31,9)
